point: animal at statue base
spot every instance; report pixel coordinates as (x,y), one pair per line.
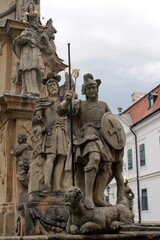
(96,220)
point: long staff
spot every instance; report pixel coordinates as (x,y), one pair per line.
(71,116)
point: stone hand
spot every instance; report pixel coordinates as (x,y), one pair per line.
(68,96)
(37,118)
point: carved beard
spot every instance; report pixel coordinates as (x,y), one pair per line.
(53,92)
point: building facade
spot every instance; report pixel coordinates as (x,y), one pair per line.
(141,167)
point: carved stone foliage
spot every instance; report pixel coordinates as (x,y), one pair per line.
(42,216)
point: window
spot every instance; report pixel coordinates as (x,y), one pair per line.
(130,160)
(151,99)
(142,155)
(144,199)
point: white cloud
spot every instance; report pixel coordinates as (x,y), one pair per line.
(116,40)
(147,72)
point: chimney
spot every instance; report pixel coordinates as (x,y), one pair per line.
(137,96)
(119,110)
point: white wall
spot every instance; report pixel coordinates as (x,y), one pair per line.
(147,132)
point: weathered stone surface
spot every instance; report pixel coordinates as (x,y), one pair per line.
(50,143)
(129,195)
(112,131)
(35,50)
(97,220)
(16,10)
(127,236)
(36,172)
(15,118)
(42,215)
(7,56)
(96,161)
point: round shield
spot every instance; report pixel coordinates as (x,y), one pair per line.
(112,131)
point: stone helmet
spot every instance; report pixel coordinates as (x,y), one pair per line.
(89,80)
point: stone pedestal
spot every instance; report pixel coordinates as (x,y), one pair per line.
(15,117)
(120,236)
(42,215)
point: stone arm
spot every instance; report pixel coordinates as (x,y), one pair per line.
(20,149)
(45,44)
(37,118)
(63,107)
(25,38)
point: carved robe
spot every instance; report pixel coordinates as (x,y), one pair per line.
(26,48)
(55,139)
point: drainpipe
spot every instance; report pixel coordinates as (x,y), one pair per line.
(137,177)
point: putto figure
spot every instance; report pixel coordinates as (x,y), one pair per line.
(129,195)
(98,158)
(23,153)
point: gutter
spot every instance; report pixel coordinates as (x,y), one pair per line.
(137,176)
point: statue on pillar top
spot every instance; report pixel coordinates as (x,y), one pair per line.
(35,50)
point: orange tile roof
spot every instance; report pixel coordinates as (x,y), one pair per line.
(140,109)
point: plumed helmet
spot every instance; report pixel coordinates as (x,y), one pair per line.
(89,80)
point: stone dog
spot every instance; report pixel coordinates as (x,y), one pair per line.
(99,219)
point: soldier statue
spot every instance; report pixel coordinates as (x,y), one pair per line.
(98,144)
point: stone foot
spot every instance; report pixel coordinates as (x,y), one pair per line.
(88,203)
(58,190)
(46,190)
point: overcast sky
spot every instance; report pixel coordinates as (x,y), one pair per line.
(118,41)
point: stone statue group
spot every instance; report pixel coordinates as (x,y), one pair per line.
(96,161)
(98,137)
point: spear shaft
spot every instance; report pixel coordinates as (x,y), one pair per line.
(71,116)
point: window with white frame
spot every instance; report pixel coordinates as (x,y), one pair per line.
(151,99)
(130,159)
(142,155)
(144,199)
